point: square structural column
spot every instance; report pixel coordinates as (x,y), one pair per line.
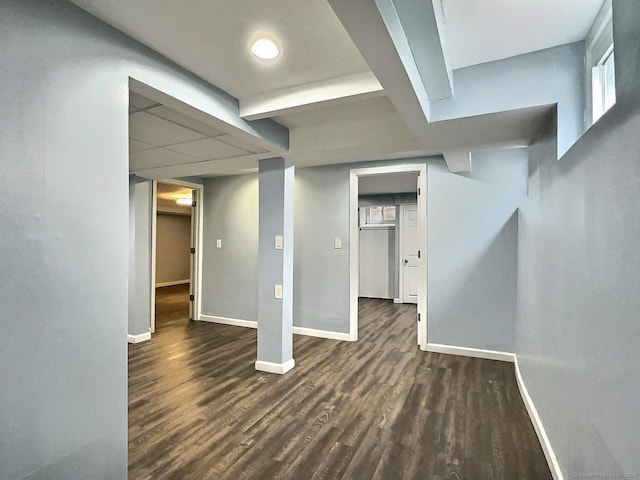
(275,266)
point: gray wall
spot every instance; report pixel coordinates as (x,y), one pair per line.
(65,237)
(579,273)
(230,273)
(173,242)
(321,273)
(472,249)
(554,75)
(140,277)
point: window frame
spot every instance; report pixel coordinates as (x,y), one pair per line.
(600,47)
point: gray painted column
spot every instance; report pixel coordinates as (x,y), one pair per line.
(140,280)
(275,266)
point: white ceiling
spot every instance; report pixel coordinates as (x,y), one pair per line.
(479,31)
(211,38)
(161,137)
(388,183)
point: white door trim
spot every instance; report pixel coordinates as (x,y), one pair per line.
(198,216)
(354,247)
(154,226)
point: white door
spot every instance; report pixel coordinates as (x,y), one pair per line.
(409,253)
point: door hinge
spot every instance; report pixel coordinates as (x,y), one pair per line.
(418,253)
(419,191)
(418,317)
(193,204)
(193,250)
(192,298)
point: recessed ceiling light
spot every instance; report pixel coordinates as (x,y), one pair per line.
(265,49)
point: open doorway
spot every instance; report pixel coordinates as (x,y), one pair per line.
(388,243)
(174,259)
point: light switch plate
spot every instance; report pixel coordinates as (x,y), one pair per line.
(279,241)
(218,243)
(337,242)
(278,291)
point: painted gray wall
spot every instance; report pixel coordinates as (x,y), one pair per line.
(579,273)
(554,75)
(230,273)
(275,266)
(173,242)
(321,272)
(472,250)
(64,128)
(140,304)
(378,265)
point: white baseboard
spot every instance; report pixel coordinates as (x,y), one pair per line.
(143,337)
(310,332)
(279,368)
(549,454)
(172,283)
(313,332)
(229,321)
(471,352)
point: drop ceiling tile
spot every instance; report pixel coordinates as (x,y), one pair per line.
(137,146)
(184,120)
(208,149)
(140,102)
(157,157)
(240,143)
(157,131)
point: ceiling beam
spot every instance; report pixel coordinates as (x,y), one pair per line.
(401,81)
(420,25)
(303,97)
(458,160)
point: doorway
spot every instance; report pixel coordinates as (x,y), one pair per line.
(175,249)
(393,233)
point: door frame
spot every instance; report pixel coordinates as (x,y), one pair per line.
(198,220)
(354,244)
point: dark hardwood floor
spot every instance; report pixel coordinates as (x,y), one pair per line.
(377,408)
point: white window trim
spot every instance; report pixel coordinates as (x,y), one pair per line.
(599,45)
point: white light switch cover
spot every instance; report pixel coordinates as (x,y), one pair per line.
(278,291)
(218,243)
(279,242)
(337,242)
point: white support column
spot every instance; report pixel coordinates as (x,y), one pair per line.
(275,268)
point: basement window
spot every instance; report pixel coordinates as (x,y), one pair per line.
(601,59)
(378,215)
(604,85)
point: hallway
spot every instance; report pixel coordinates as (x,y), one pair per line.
(376,408)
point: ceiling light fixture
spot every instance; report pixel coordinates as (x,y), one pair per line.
(265,49)
(185,202)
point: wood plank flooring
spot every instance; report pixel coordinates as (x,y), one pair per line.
(374,409)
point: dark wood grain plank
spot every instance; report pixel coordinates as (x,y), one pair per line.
(376,408)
